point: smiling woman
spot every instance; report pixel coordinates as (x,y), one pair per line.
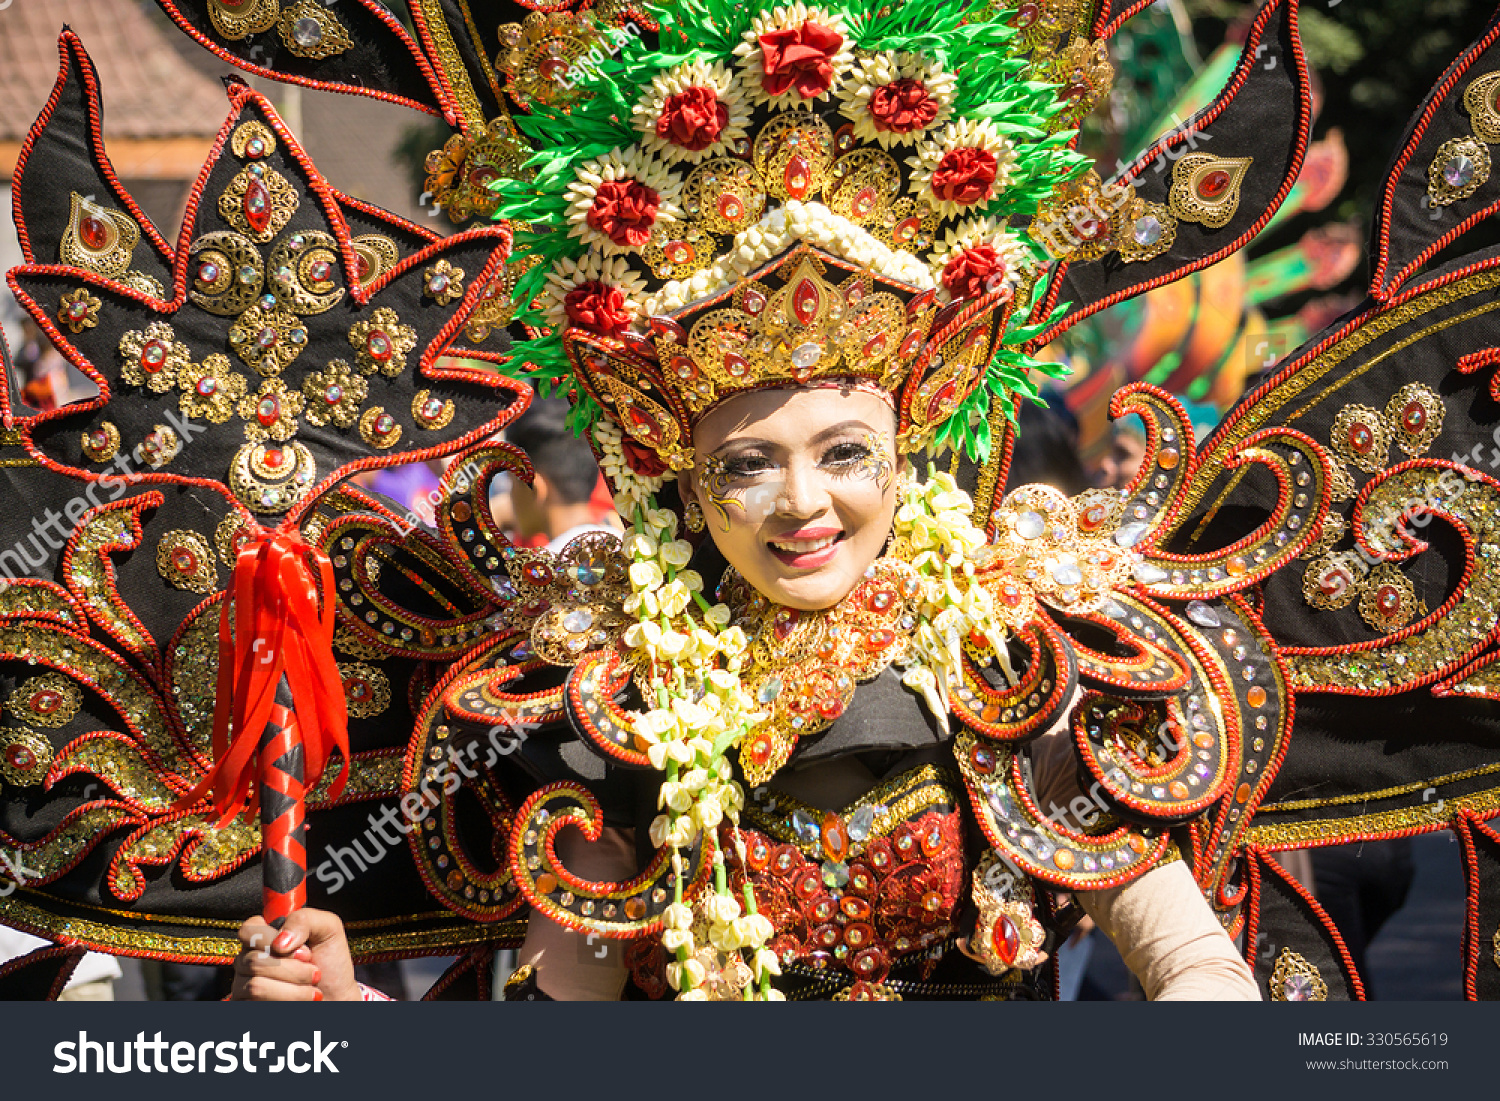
(826,742)
(799,487)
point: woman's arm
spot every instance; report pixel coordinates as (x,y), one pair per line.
(1170,938)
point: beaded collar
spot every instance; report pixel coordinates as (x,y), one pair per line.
(804,666)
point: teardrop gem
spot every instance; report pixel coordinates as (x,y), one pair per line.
(93,233)
(1006,940)
(667,328)
(876,346)
(905,230)
(753,302)
(1213,184)
(805,300)
(864,202)
(797,177)
(737,365)
(257,206)
(731,209)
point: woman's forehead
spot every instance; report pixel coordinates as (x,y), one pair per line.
(790,416)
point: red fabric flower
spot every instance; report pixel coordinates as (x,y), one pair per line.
(801,57)
(597,306)
(692,118)
(902,106)
(642,460)
(965,175)
(624,211)
(973,272)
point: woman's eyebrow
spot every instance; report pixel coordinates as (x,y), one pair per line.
(839,429)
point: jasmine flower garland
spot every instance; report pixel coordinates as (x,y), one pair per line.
(688,663)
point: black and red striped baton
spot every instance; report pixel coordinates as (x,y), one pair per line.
(280,710)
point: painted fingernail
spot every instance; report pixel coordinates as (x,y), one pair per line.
(283,942)
(317,995)
(317,976)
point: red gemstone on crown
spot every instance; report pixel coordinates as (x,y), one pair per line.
(797,177)
(737,365)
(753,302)
(805,301)
(905,230)
(876,345)
(731,208)
(864,202)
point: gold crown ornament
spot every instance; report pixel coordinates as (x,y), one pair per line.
(783,194)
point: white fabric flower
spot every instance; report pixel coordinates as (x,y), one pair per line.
(674,82)
(790,17)
(616,166)
(881,70)
(958,135)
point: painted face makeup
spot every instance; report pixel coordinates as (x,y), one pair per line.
(798,486)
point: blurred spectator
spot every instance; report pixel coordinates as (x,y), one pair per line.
(1361,885)
(558,505)
(1046,450)
(1127,450)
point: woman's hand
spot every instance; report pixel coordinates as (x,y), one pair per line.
(306,961)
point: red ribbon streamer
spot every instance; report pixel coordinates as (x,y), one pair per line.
(278,628)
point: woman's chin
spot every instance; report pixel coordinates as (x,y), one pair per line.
(808,590)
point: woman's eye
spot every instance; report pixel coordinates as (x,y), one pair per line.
(846,454)
(747,466)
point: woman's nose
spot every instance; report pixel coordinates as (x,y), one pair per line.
(802,494)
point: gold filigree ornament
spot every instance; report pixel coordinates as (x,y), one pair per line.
(232,531)
(1495,942)
(1333,580)
(367,690)
(311,31)
(431,412)
(47,700)
(1415,416)
(1387,600)
(379,429)
(374,255)
(303,271)
(1458,168)
(237,19)
(1206,189)
(333,395)
(1077,222)
(1086,76)
(1296,979)
(537,55)
(78,310)
(154,358)
(381,343)
(806,665)
(259,202)
(102,442)
(443,283)
(268,338)
(229,274)
(271,479)
(1482,101)
(25,757)
(1362,436)
(271,412)
(460,174)
(252,141)
(160,446)
(186,561)
(210,390)
(1143,230)
(1007,935)
(98,239)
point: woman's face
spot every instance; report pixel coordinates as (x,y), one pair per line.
(798,488)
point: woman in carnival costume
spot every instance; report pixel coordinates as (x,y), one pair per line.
(837,718)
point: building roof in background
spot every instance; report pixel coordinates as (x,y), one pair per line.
(149,91)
